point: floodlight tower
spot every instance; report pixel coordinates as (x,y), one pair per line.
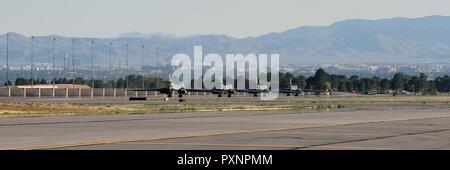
(157,66)
(142,66)
(53,65)
(92,58)
(126,69)
(66,64)
(32,61)
(7,59)
(73,63)
(63,70)
(110,65)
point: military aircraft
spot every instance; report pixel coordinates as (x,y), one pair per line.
(317,92)
(292,89)
(220,91)
(256,91)
(169,91)
(181,90)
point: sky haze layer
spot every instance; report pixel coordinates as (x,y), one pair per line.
(238,18)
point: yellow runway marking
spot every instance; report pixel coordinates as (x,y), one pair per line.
(350,147)
(204,135)
(330,133)
(220,144)
(151,139)
(255,145)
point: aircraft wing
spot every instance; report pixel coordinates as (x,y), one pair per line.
(314,91)
(247,90)
(288,91)
(200,90)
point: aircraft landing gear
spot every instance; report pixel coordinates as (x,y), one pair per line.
(296,94)
(229,96)
(289,94)
(219,96)
(169,95)
(255,95)
(180,96)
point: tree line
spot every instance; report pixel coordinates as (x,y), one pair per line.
(320,81)
(399,82)
(134,81)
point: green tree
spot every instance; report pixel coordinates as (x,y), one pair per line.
(21,81)
(300,81)
(423,83)
(355,83)
(342,86)
(321,80)
(399,81)
(443,83)
(385,85)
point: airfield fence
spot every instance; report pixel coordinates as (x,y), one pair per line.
(86,93)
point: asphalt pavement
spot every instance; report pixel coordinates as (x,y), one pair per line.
(286,130)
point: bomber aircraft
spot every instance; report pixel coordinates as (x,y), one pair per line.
(169,91)
(220,91)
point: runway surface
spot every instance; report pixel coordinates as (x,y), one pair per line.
(335,129)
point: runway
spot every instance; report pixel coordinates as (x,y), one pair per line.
(261,130)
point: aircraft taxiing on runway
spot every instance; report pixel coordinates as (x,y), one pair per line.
(256,91)
(225,90)
(297,91)
(292,89)
(169,91)
(220,91)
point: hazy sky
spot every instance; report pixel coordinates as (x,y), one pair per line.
(239,18)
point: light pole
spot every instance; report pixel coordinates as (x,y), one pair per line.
(92,57)
(157,67)
(7,59)
(126,69)
(53,65)
(110,67)
(73,63)
(66,57)
(142,66)
(32,61)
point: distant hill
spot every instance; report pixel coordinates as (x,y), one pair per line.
(136,34)
(394,40)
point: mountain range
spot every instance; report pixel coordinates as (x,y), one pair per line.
(395,40)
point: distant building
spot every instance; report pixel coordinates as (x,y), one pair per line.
(49,86)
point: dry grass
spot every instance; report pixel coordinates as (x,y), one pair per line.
(46,109)
(42,109)
(210,105)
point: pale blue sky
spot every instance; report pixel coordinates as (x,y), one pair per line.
(239,18)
